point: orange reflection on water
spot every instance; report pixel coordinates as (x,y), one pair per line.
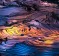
(48,36)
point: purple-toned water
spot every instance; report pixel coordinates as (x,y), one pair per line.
(20,48)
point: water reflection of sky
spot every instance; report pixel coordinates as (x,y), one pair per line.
(22,49)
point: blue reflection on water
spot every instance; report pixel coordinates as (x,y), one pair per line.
(3,20)
(47,53)
(21,49)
